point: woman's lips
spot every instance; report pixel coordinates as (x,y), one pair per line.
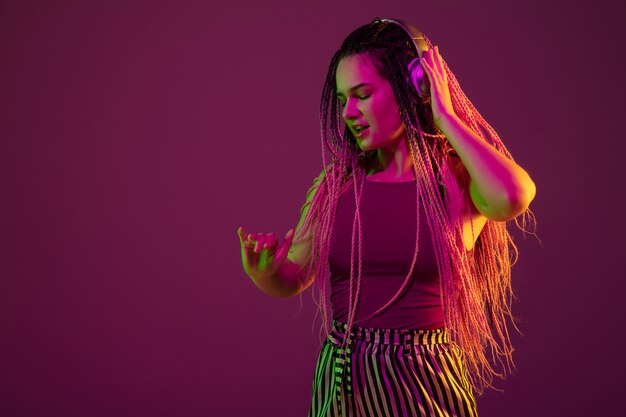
(361,133)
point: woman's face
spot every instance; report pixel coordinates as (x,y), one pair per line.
(368,107)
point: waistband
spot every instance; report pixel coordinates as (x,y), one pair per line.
(342,368)
(390,336)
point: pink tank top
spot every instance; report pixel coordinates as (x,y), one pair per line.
(388,227)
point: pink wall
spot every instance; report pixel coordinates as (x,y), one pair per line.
(137,136)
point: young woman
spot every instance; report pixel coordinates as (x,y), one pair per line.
(409,217)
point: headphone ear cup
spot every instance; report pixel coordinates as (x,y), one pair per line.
(419,78)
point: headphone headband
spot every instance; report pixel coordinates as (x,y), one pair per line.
(414,33)
(418,76)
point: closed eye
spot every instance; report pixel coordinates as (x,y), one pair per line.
(343,103)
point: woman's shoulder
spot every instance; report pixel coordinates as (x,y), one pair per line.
(323,174)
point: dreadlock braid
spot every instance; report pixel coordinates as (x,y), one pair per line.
(476,290)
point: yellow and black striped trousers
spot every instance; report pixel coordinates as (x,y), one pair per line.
(391,372)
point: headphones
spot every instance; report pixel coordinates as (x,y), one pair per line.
(418,76)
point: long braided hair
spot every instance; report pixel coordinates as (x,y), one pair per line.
(476,287)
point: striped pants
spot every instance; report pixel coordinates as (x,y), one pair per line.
(390,372)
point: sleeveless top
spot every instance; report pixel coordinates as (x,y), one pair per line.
(388,211)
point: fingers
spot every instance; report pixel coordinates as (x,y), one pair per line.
(435,62)
(256,242)
(427,62)
(263,247)
(434,67)
(439,63)
(289,236)
(265,241)
(433,79)
(248,259)
(271,241)
(283,250)
(241,234)
(425,65)
(260,241)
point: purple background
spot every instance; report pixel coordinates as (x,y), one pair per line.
(137,136)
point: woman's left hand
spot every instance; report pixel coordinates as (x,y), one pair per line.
(440,100)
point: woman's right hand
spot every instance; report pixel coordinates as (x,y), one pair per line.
(261,254)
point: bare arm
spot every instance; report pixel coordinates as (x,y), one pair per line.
(279,270)
(498,187)
(300,252)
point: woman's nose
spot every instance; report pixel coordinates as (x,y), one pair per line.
(350,110)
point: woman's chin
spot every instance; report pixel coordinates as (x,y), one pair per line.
(364,145)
